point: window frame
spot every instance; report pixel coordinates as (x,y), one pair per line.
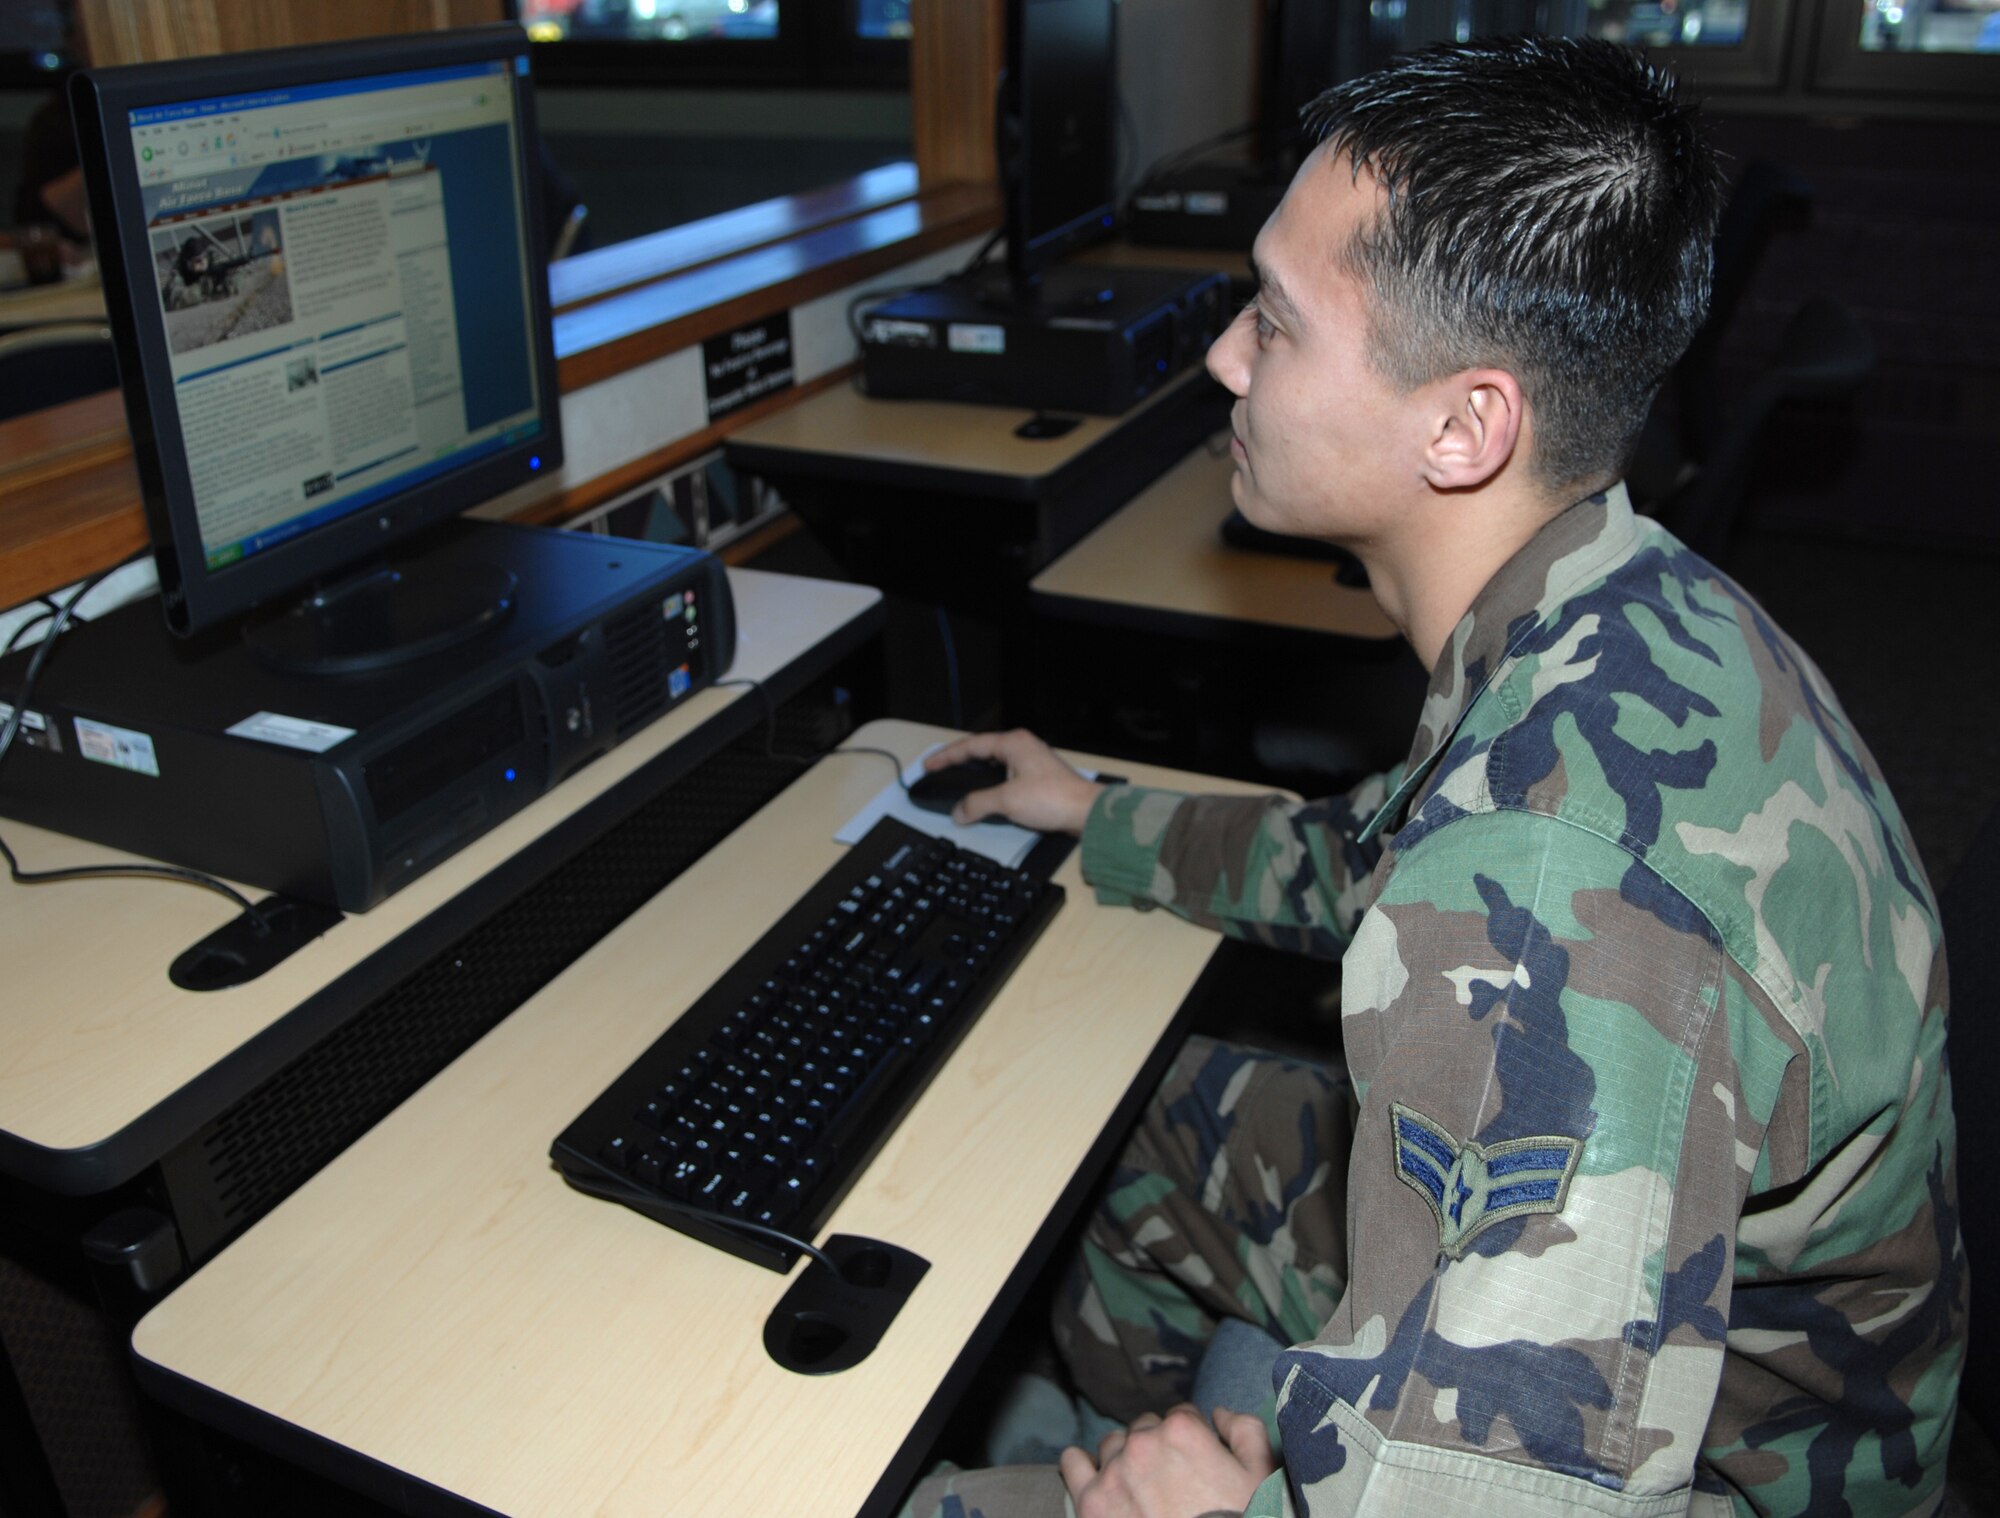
(816,47)
(1841,65)
(1757,63)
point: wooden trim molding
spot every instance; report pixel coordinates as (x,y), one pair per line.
(69,497)
(146,31)
(585,277)
(956,50)
(623,331)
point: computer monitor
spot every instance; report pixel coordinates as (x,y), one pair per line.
(1058,126)
(324,281)
(1308,46)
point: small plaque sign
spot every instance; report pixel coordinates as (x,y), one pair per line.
(747,364)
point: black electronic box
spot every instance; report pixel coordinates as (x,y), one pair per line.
(1205,205)
(1090,338)
(341,789)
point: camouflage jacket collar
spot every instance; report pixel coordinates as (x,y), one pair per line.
(1574,549)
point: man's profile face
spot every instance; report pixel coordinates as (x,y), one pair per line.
(1322,440)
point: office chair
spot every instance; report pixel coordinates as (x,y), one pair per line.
(45,366)
(1687,418)
(1765,201)
(1970,908)
(1823,351)
(1691,468)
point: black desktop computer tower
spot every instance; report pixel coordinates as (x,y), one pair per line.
(1091,338)
(341,789)
(1221,206)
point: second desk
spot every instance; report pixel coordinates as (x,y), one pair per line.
(1155,638)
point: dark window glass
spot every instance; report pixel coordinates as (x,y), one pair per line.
(650,20)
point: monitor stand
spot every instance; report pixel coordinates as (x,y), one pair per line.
(384,615)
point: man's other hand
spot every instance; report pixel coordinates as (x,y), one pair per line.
(1171,1467)
(1040,792)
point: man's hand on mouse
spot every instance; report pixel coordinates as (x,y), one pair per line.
(1041,791)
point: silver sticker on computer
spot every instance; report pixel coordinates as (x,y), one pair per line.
(976,337)
(119,747)
(891,332)
(291,732)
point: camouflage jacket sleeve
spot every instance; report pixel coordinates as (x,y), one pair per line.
(1284,873)
(1565,1084)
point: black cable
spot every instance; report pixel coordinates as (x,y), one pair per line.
(1126,153)
(40,657)
(979,258)
(152,871)
(30,624)
(24,629)
(951,668)
(771,734)
(1188,154)
(770,720)
(617,1189)
(862,748)
(884,293)
(12,727)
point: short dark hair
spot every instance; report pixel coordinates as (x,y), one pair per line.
(1550,209)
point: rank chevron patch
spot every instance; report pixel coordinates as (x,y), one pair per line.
(1470,1187)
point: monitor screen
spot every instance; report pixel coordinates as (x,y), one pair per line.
(1062,87)
(1308,46)
(329,300)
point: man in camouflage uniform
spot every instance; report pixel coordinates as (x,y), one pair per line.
(1643,1197)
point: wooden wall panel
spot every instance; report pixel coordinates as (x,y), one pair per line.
(956,52)
(144,31)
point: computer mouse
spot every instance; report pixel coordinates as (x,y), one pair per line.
(941,790)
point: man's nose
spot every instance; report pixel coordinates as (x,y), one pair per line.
(1228,358)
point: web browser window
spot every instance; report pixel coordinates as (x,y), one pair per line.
(343,291)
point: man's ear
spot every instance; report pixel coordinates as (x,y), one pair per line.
(1476,430)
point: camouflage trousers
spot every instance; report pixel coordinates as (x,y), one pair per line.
(1228,1201)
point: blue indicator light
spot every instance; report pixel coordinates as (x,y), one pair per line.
(535,461)
(507,775)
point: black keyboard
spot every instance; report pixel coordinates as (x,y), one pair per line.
(769,1095)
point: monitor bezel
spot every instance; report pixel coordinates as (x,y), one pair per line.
(195,598)
(1028,255)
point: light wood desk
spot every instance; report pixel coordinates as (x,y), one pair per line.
(106,1067)
(945,505)
(1153,637)
(438,1319)
(1161,560)
(948,502)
